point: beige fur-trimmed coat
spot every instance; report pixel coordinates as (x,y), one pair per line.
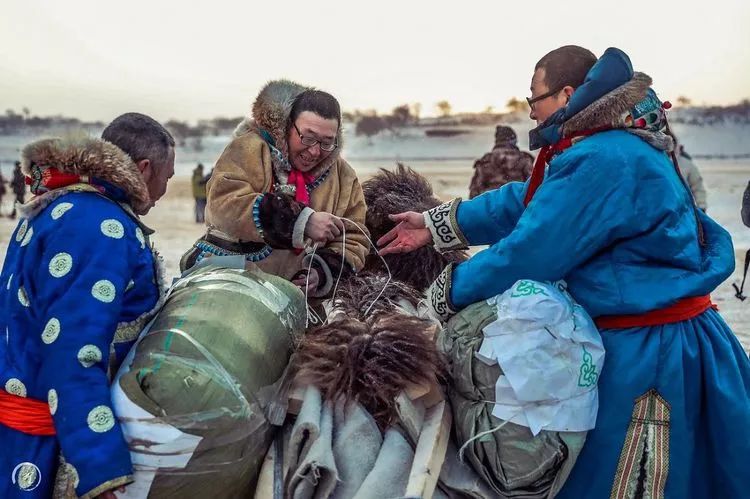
(246,170)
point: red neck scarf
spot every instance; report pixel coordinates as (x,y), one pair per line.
(546,154)
(300,180)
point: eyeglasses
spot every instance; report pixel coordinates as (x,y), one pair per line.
(533,100)
(311,141)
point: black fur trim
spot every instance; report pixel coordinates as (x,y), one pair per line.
(277,213)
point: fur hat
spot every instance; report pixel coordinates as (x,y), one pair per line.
(271,113)
(504,135)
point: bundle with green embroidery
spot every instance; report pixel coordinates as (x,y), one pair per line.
(524,367)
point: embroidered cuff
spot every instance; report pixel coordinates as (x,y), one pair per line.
(446,234)
(324,273)
(439,294)
(298,233)
(256,215)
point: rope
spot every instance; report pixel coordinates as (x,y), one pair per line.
(311,314)
(482,434)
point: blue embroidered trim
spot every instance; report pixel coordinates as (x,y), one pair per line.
(267,137)
(210,249)
(316,183)
(259,255)
(256,214)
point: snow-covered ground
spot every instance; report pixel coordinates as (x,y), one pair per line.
(447,163)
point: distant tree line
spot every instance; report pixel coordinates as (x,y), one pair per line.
(186,134)
(369,123)
(13,122)
(710,115)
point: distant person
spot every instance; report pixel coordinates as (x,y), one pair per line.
(745,212)
(199,181)
(3,190)
(691,174)
(18,183)
(505,163)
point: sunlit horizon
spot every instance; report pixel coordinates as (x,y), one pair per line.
(94,61)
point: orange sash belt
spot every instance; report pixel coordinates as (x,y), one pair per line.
(684,309)
(25,415)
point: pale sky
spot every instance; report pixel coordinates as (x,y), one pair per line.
(97,59)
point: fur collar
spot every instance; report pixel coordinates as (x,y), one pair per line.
(659,140)
(610,109)
(89,156)
(271,111)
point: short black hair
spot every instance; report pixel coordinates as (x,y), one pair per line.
(321,103)
(566,66)
(140,136)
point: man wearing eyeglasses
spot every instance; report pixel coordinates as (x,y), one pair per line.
(606,210)
(556,76)
(281,184)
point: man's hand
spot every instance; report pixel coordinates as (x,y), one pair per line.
(323,227)
(410,234)
(110,494)
(312,280)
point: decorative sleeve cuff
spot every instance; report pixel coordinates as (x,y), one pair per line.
(256,215)
(298,233)
(446,234)
(439,295)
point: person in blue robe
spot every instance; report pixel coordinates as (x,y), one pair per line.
(79,282)
(607,211)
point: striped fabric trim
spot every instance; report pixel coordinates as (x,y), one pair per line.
(644,460)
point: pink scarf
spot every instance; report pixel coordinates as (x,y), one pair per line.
(300,180)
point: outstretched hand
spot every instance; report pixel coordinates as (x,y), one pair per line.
(408,235)
(110,494)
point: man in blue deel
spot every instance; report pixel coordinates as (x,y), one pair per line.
(79,282)
(607,211)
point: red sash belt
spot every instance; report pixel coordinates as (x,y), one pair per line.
(684,309)
(25,415)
